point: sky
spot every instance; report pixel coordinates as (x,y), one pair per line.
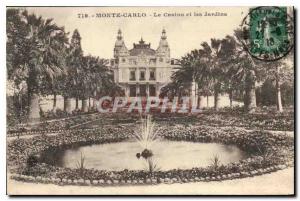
(183,33)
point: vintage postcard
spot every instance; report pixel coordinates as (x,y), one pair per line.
(150,100)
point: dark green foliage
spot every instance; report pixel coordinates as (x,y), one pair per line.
(266,94)
(287,91)
(32,161)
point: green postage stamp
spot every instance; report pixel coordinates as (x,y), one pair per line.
(268,33)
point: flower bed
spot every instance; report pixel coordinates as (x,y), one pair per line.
(265,121)
(278,122)
(50,126)
(268,152)
(60,125)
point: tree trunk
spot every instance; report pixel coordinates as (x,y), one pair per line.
(230,97)
(279,102)
(89,103)
(67,105)
(217,96)
(94,100)
(216,100)
(76,104)
(84,105)
(278,91)
(250,96)
(33,97)
(207,101)
(194,93)
(54,103)
(34,108)
(20,100)
(199,101)
(94,103)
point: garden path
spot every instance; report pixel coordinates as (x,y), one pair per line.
(280,182)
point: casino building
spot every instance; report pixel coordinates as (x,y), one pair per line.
(142,71)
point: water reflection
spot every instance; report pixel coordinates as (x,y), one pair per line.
(167,155)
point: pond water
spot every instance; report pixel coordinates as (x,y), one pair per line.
(167,155)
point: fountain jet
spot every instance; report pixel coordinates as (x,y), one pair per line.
(146,135)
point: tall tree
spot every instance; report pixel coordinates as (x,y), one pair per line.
(219,56)
(37,45)
(228,60)
(247,71)
(73,79)
(215,71)
(186,76)
(279,72)
(96,79)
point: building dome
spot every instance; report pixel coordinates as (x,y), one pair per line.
(163,43)
(120,47)
(141,48)
(119,42)
(163,47)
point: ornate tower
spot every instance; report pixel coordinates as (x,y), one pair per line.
(120,47)
(163,47)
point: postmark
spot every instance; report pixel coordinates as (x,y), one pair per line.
(268,33)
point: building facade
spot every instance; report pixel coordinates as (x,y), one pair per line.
(142,71)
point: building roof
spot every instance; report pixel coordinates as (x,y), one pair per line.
(141,48)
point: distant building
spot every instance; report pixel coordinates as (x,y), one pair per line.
(142,71)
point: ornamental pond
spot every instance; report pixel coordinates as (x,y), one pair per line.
(167,155)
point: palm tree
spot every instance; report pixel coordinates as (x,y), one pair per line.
(228,61)
(195,70)
(42,57)
(16,35)
(55,86)
(283,73)
(190,74)
(96,79)
(104,80)
(246,70)
(279,72)
(217,54)
(206,88)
